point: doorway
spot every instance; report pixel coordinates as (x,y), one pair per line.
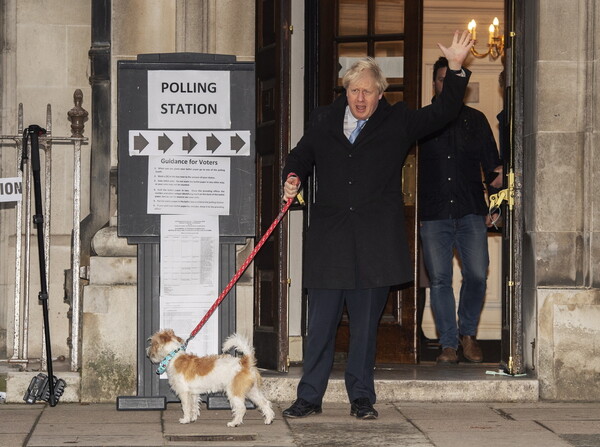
(393,32)
(327,41)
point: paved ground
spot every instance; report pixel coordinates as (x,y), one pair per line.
(544,424)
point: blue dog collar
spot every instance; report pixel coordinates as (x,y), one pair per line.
(162,366)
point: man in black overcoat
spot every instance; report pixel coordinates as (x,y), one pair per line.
(356,246)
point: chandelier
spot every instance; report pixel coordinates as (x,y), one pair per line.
(495,41)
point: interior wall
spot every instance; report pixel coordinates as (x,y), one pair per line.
(295,217)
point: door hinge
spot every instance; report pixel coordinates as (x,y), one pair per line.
(507,194)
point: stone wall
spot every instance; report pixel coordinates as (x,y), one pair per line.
(561,153)
(44,59)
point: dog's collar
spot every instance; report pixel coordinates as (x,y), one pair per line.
(162,366)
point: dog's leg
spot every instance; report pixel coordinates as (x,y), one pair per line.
(195,407)
(186,405)
(263,404)
(238,410)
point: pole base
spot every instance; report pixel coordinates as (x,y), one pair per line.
(39,389)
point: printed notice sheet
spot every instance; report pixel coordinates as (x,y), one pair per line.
(188,185)
(183,313)
(189,277)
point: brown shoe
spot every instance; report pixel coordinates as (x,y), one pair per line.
(448,355)
(471,349)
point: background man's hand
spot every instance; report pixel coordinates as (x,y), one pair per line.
(458,51)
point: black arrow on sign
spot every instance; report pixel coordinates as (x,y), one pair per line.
(212,143)
(139,143)
(188,143)
(164,143)
(237,143)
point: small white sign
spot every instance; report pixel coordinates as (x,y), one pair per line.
(11,189)
(189,185)
(189,99)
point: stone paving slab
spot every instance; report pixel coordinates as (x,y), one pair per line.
(496,439)
(574,427)
(13,439)
(211,429)
(582,440)
(472,412)
(9,416)
(96,413)
(98,429)
(86,440)
(453,425)
(552,413)
(335,427)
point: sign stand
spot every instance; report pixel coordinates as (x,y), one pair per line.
(183,106)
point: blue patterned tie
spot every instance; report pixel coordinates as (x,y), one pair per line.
(356,131)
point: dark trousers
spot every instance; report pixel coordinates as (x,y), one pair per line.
(325,307)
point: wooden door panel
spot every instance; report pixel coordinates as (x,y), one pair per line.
(272,130)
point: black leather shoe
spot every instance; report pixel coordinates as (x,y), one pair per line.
(301,408)
(362,409)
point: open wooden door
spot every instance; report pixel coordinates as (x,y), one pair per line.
(390,31)
(272,146)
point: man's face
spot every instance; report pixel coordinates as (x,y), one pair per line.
(438,84)
(363,96)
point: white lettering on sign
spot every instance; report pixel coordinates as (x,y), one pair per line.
(11,189)
(189,99)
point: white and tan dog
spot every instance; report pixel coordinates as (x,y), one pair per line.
(190,375)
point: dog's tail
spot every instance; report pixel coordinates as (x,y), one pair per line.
(241,344)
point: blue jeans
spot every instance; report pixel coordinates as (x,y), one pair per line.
(440,237)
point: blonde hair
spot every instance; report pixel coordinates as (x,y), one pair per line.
(357,69)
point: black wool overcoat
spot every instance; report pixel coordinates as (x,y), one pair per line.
(356,236)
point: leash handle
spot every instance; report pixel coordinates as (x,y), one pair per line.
(241,270)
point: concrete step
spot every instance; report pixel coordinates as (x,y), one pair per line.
(418,383)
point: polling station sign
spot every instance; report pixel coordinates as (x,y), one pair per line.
(11,189)
(189,99)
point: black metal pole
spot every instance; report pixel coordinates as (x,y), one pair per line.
(34,132)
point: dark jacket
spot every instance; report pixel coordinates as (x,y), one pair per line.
(451,162)
(356,236)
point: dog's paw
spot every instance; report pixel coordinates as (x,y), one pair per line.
(233,424)
(184,421)
(269,421)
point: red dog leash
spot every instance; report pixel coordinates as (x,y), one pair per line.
(241,270)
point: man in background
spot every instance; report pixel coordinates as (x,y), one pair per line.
(453,214)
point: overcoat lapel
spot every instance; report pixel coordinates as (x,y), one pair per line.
(370,129)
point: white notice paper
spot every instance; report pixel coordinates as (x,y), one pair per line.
(189,257)
(186,185)
(183,313)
